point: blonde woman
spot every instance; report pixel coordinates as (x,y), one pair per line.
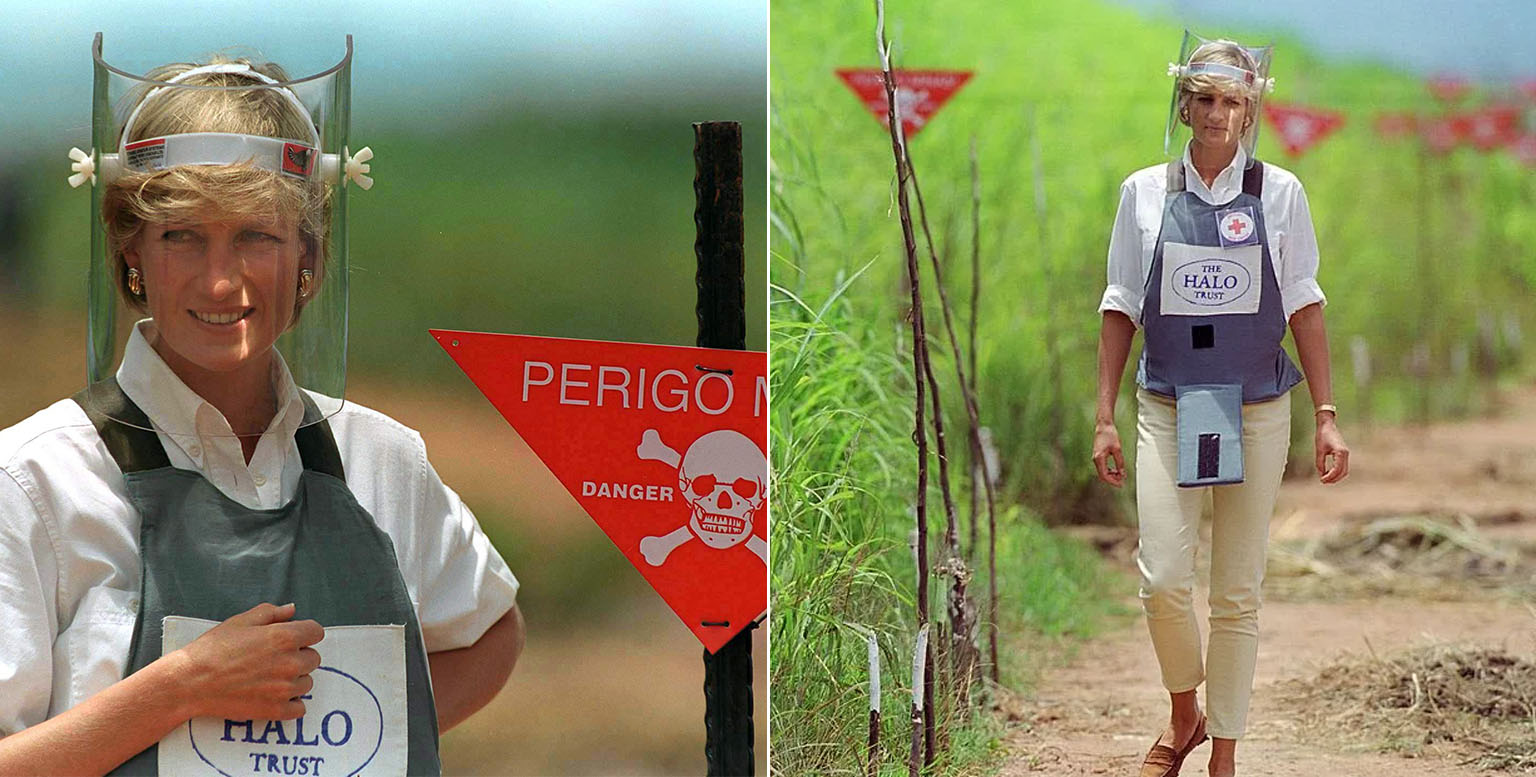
(199,480)
(1211,256)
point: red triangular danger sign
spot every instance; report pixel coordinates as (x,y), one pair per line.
(1299,127)
(1493,127)
(664,446)
(1395,125)
(1443,133)
(1524,149)
(1448,88)
(919,93)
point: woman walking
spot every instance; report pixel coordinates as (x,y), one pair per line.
(1210,256)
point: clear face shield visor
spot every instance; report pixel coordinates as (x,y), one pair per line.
(218,236)
(1221,68)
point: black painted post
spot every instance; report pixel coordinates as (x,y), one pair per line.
(721,310)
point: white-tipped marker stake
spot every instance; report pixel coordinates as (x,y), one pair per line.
(874,705)
(915,760)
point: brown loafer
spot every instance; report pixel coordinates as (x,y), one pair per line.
(1164,761)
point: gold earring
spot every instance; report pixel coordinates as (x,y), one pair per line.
(135,283)
(306,282)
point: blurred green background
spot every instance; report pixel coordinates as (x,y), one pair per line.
(1426,262)
(534,174)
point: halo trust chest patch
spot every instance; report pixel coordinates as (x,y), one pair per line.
(354,720)
(1211,281)
(1237,227)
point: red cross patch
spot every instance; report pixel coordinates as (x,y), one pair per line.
(1236,227)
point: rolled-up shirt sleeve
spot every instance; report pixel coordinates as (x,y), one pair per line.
(28,598)
(465,584)
(1299,257)
(1125,286)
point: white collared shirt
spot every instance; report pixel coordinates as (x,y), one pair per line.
(1287,223)
(196,435)
(69,552)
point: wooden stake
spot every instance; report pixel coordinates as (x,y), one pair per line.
(919,336)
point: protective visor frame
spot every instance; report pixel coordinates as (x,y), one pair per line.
(1176,135)
(220,148)
(313,347)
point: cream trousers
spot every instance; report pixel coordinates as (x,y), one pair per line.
(1169,522)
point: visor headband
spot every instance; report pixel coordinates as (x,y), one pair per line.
(228,67)
(281,155)
(220,148)
(1245,77)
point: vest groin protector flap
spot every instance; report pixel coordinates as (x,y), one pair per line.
(1210,429)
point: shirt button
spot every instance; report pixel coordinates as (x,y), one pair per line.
(194,450)
(261,480)
(133,604)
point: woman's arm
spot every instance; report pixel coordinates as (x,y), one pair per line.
(1311,335)
(1115,335)
(104,730)
(466,679)
(253,665)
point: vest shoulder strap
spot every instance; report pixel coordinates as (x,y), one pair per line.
(133,444)
(317,446)
(1175,176)
(1253,179)
(122,426)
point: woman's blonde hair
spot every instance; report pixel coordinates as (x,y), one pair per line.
(1222,52)
(186,193)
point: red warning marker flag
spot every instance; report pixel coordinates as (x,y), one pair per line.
(1443,133)
(1524,149)
(1448,88)
(1395,126)
(919,93)
(664,446)
(1493,127)
(1299,127)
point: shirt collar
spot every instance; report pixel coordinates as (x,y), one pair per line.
(176,410)
(1227,184)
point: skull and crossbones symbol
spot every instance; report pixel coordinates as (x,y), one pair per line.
(722,477)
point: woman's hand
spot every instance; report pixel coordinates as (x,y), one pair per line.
(1115,333)
(254,665)
(1332,453)
(1106,450)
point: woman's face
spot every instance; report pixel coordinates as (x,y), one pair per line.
(220,290)
(1217,120)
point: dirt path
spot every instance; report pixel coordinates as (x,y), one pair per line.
(1099,713)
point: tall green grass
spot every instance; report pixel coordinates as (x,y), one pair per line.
(843,485)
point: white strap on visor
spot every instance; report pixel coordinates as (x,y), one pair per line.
(1247,77)
(289,157)
(220,148)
